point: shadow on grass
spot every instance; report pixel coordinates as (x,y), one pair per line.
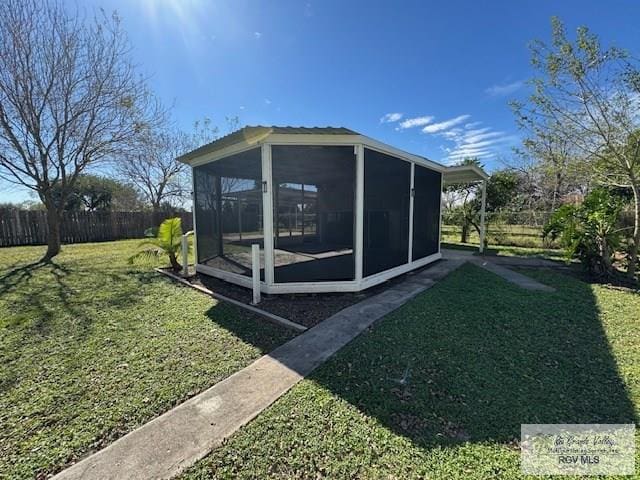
(250,328)
(47,289)
(473,358)
(17,275)
(32,293)
(464,363)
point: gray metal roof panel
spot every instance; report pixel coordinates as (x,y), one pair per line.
(257,133)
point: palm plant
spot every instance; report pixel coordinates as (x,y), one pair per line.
(167,241)
(589,232)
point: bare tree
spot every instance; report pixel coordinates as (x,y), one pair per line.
(554,156)
(153,168)
(69,99)
(589,97)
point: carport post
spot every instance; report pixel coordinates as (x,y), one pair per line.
(483,205)
(255,272)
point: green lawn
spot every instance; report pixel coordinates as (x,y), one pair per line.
(500,234)
(91,347)
(509,250)
(480,356)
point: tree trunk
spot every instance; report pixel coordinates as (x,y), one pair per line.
(464,236)
(556,191)
(53,233)
(174,262)
(156,214)
(635,241)
(478,231)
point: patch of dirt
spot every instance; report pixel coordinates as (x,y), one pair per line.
(307,309)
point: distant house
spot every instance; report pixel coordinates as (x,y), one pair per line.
(331,209)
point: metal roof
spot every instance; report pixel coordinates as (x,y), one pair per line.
(254,134)
(462,174)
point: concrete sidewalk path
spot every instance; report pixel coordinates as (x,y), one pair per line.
(495,265)
(512,276)
(169,444)
(490,263)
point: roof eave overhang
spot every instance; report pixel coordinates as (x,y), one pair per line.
(462,174)
(205,156)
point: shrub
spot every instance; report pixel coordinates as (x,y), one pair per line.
(590,231)
(167,240)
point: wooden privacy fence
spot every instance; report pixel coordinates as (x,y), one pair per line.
(25,227)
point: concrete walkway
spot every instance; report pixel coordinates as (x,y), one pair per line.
(174,441)
(522,281)
(491,264)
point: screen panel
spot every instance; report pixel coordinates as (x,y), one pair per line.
(313,214)
(386,212)
(229,219)
(427,185)
(206,213)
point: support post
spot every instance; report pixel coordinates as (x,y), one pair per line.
(239,218)
(268,213)
(412,194)
(184,249)
(482,215)
(255,272)
(359,212)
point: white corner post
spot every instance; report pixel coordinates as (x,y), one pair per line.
(255,272)
(412,194)
(482,215)
(184,248)
(359,209)
(267,213)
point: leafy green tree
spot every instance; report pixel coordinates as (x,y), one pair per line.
(167,241)
(585,96)
(94,193)
(589,232)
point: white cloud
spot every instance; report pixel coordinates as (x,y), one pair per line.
(469,140)
(472,137)
(415,122)
(452,134)
(390,117)
(267,101)
(258,35)
(500,90)
(446,125)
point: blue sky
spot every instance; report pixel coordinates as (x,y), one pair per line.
(433,78)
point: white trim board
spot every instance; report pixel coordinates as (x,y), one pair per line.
(320,287)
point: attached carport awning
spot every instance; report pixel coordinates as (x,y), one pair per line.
(462,174)
(465,174)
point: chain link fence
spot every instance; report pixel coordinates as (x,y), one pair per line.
(518,229)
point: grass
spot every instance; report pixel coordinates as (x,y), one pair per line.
(509,250)
(501,234)
(91,348)
(480,356)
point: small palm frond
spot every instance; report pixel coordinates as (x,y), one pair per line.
(152,253)
(167,241)
(170,234)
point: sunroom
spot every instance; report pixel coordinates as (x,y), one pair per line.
(329,209)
